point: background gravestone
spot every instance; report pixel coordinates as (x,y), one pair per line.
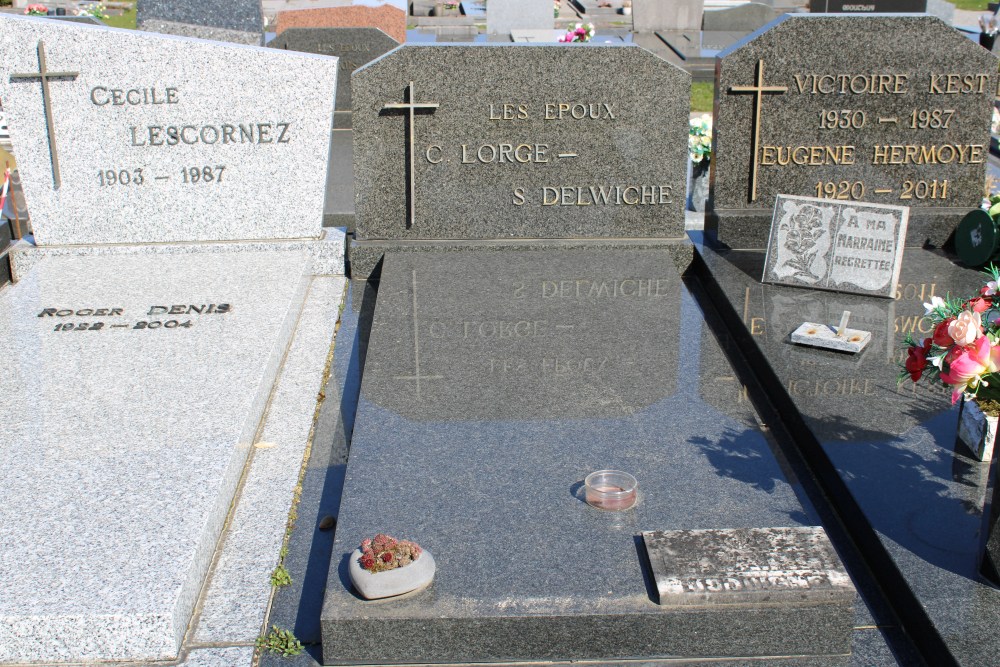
(867,6)
(911,131)
(354,47)
(653,15)
(506,146)
(155,146)
(240,21)
(390,20)
(502,16)
(747,17)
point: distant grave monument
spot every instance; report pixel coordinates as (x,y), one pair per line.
(390,20)
(354,47)
(913,131)
(240,22)
(503,16)
(656,15)
(176,193)
(543,156)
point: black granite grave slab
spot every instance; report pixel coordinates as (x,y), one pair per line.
(503,145)
(493,384)
(886,454)
(850,107)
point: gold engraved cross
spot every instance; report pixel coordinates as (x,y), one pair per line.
(758,90)
(44,74)
(412,107)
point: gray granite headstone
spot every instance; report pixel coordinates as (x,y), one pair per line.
(240,15)
(655,15)
(504,145)
(746,565)
(502,16)
(747,17)
(867,6)
(160,139)
(836,245)
(842,115)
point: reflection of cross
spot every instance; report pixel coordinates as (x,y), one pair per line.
(416,346)
(412,106)
(758,90)
(45,75)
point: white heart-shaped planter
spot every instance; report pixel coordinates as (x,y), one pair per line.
(375,585)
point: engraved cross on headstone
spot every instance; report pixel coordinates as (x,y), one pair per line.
(417,376)
(412,106)
(44,74)
(758,90)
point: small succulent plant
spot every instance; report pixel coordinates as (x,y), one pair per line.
(383,552)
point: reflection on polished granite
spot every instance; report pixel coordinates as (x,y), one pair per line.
(535,368)
(892,447)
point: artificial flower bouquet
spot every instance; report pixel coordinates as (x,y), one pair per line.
(36,10)
(963,351)
(581,33)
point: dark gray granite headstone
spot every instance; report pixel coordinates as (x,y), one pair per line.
(505,145)
(493,384)
(834,245)
(502,16)
(867,6)
(885,120)
(240,15)
(746,565)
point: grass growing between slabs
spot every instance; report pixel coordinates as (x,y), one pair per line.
(124,20)
(702,94)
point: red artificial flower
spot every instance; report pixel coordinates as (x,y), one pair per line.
(368,561)
(916,362)
(387,557)
(981,304)
(941,337)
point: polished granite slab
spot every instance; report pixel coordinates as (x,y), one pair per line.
(889,451)
(493,384)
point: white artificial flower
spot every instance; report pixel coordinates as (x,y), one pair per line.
(936,302)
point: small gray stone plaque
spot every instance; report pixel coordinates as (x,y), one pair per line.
(746,565)
(825,336)
(814,106)
(836,245)
(164,139)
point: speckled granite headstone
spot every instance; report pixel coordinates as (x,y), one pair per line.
(836,245)
(242,15)
(503,144)
(502,16)
(747,565)
(390,20)
(851,107)
(164,139)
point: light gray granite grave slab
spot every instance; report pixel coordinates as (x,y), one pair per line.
(139,385)
(746,565)
(165,139)
(503,16)
(836,245)
(503,145)
(800,109)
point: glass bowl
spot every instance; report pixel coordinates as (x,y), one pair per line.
(611,490)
